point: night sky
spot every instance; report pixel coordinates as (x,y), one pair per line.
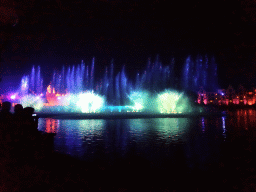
(54,33)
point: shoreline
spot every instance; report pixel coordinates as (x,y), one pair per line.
(121,115)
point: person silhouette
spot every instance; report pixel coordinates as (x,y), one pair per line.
(18,120)
(18,110)
(6,128)
(5,113)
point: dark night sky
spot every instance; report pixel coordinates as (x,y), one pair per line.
(56,32)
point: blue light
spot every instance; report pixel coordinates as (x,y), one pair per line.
(153,90)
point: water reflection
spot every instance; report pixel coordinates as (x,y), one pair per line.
(172,130)
(246,118)
(191,142)
(167,130)
(243,119)
(203,125)
(79,137)
(48,125)
(116,138)
(240,125)
(204,138)
(224,127)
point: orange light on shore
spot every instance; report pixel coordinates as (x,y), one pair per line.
(248,98)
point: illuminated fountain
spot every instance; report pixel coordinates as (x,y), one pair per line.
(31,90)
(75,89)
(199,73)
(32,101)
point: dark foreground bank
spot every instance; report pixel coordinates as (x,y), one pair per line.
(57,172)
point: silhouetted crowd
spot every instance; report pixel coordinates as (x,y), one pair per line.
(19,136)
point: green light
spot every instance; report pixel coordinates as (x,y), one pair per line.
(32,101)
(139,99)
(167,101)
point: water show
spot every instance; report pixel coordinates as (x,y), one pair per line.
(156,90)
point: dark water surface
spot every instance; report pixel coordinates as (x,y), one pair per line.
(180,143)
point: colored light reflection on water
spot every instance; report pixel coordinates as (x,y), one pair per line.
(192,141)
(166,143)
(181,142)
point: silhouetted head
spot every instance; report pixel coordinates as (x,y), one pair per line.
(6,106)
(18,109)
(29,111)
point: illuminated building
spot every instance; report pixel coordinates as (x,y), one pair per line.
(228,97)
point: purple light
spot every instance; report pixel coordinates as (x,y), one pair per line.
(222,94)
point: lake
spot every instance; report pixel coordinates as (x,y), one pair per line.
(191,143)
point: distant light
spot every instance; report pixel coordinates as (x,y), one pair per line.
(90,102)
(138,106)
(13,96)
(222,94)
